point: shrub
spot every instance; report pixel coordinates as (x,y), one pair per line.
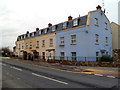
(106,58)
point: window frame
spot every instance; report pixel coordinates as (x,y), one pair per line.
(73,56)
(43,43)
(64,26)
(96,39)
(75,22)
(53,28)
(62,55)
(96,21)
(62,40)
(51,42)
(73,39)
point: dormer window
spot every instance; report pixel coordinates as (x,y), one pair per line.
(96,21)
(106,26)
(24,36)
(64,25)
(46,30)
(53,28)
(39,32)
(32,34)
(28,35)
(75,22)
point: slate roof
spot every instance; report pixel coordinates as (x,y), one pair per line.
(58,27)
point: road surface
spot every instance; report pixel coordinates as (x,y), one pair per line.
(19,75)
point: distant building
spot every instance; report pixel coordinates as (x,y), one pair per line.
(86,36)
(115,29)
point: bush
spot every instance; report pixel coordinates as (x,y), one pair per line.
(106,58)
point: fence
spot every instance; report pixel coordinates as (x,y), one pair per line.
(68,58)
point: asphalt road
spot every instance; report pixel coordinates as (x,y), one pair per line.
(19,75)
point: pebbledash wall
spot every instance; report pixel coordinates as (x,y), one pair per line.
(86,45)
(86,36)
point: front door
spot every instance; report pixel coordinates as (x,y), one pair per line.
(43,55)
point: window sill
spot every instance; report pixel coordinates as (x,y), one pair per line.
(106,29)
(96,25)
(61,45)
(73,44)
(106,44)
(96,43)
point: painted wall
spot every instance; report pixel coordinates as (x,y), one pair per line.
(86,46)
(115,29)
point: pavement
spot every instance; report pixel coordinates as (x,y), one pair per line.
(100,71)
(20,74)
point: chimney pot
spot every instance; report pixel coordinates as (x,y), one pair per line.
(70,18)
(37,29)
(49,25)
(98,7)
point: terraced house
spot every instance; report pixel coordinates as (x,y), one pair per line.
(81,38)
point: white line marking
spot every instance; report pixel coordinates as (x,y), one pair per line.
(16,68)
(98,74)
(49,78)
(4,64)
(111,76)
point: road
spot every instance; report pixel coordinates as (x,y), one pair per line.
(19,75)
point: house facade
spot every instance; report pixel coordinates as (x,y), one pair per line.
(115,29)
(86,41)
(86,36)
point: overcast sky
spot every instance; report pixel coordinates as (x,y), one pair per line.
(19,16)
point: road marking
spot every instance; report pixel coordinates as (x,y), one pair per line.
(111,76)
(16,68)
(98,74)
(49,78)
(4,64)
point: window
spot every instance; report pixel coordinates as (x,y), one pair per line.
(24,36)
(37,44)
(43,43)
(97,38)
(26,45)
(19,46)
(30,45)
(46,30)
(29,35)
(96,21)
(106,41)
(97,56)
(40,32)
(107,53)
(73,56)
(73,39)
(51,42)
(106,26)
(22,45)
(53,28)
(61,40)
(75,22)
(62,54)
(32,34)
(64,25)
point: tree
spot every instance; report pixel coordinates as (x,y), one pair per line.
(5,51)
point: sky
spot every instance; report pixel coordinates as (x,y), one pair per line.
(19,16)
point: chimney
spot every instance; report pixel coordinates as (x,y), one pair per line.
(98,7)
(37,29)
(49,25)
(27,32)
(70,18)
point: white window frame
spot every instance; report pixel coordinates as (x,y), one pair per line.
(75,22)
(62,55)
(74,55)
(37,44)
(26,45)
(96,38)
(46,30)
(96,21)
(106,26)
(39,32)
(53,28)
(30,44)
(22,45)
(64,25)
(43,43)
(61,40)
(51,42)
(73,39)
(33,34)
